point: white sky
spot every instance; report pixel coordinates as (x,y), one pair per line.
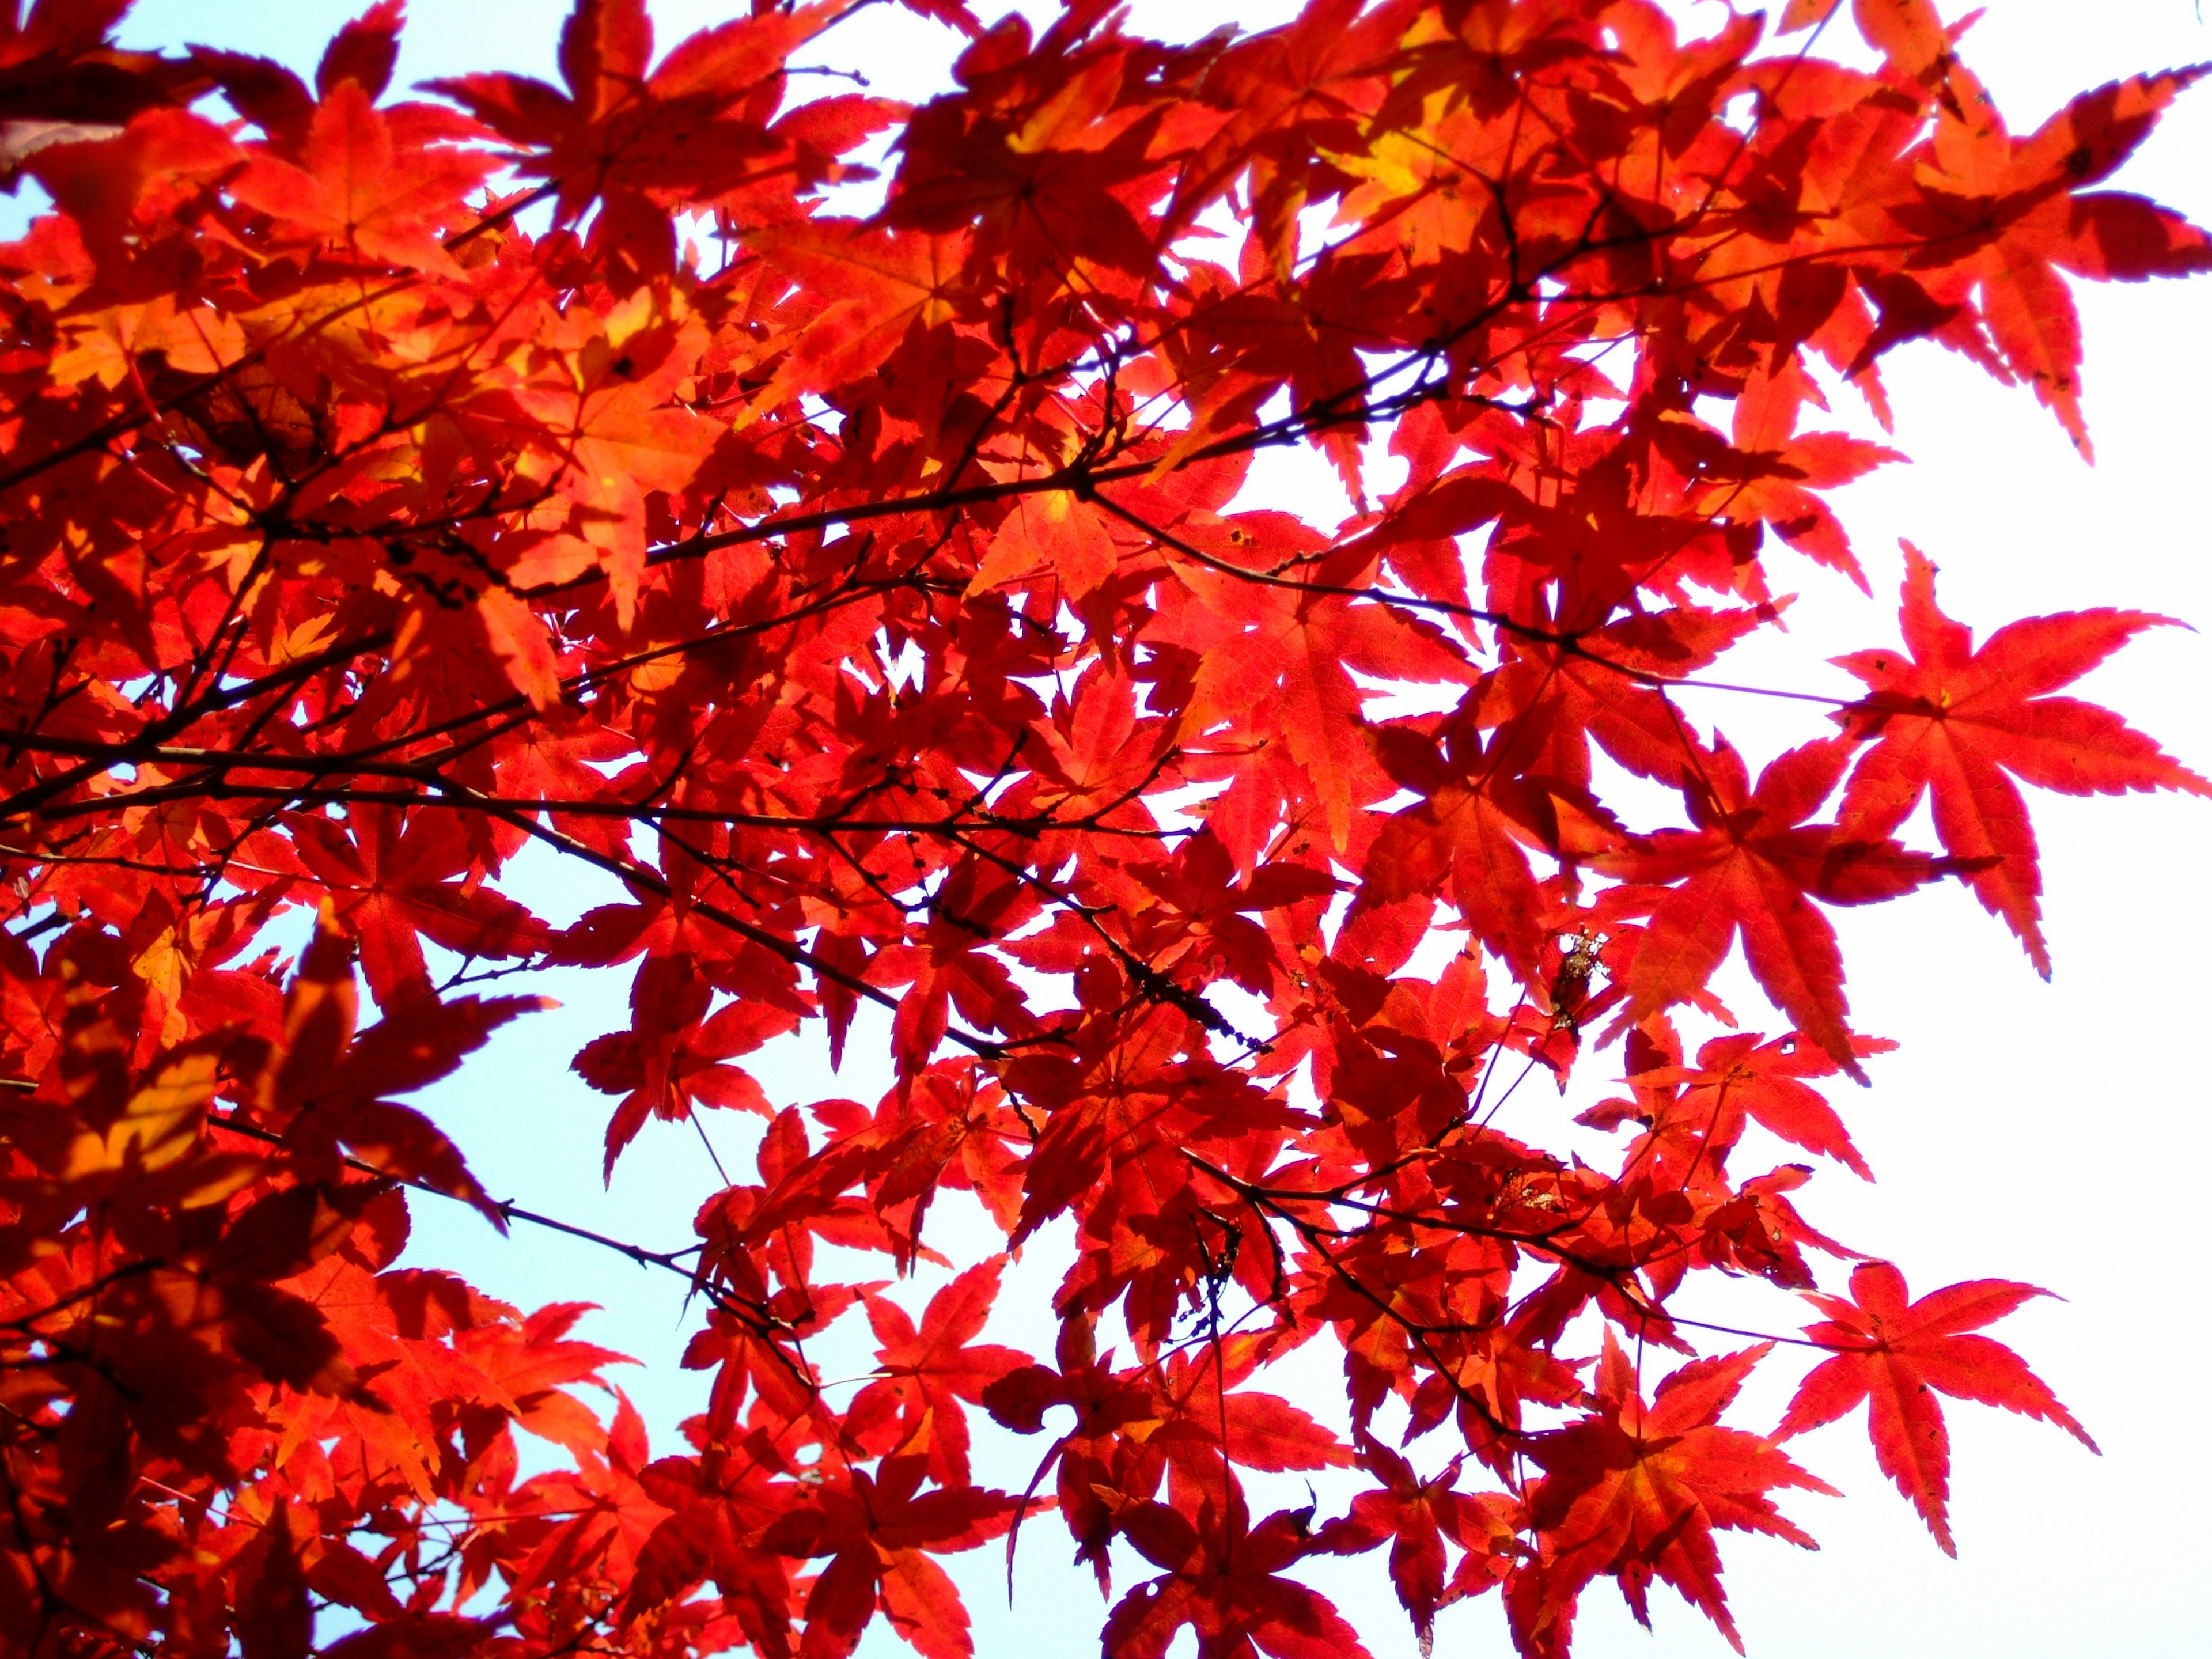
(2056,1133)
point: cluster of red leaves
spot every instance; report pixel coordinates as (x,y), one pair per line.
(870,612)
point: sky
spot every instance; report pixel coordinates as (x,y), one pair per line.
(2052,1133)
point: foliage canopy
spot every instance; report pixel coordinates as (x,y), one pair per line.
(389,486)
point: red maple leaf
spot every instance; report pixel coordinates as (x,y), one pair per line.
(933,1369)
(1417,1516)
(1103,1457)
(1752,867)
(1898,1355)
(1773,470)
(392,880)
(696,123)
(1637,1491)
(675,1055)
(377,185)
(1952,721)
(1300,647)
(321,1083)
(1739,1076)
(1224,1577)
(2018,214)
(879,1533)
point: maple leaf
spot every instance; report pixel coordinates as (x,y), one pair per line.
(675,1055)
(1056,168)
(621,131)
(1299,647)
(1636,1491)
(1896,1354)
(1224,1577)
(1951,721)
(1908,33)
(321,1081)
(2018,208)
(714,1510)
(392,881)
(525,1363)
(1199,886)
(1772,471)
(955,1134)
(1561,702)
(875,285)
(364,51)
(1241,1426)
(415,1636)
(1752,867)
(879,1535)
(933,1369)
(1105,1453)
(378,195)
(66,83)
(1479,817)
(1098,754)
(605,429)
(1416,1516)
(1739,1076)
